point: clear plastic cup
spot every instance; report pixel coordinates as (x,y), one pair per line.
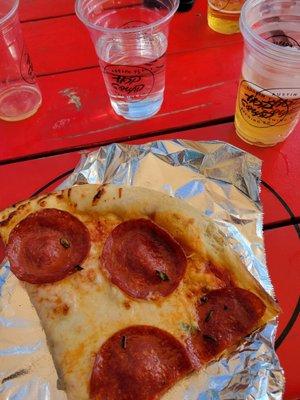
(20,96)
(130,39)
(223,15)
(268,101)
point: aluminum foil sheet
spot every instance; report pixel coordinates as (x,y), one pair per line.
(222,182)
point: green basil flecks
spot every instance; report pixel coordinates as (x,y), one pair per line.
(208,316)
(65,243)
(188,328)
(123,342)
(203,300)
(162,275)
(210,339)
(78,268)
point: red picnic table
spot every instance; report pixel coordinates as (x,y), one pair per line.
(202,76)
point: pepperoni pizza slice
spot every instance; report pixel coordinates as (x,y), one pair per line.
(135,290)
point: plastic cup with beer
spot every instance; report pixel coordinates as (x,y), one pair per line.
(20,96)
(223,15)
(268,101)
(130,39)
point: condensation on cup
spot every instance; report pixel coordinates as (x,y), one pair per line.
(20,96)
(223,15)
(268,101)
(130,39)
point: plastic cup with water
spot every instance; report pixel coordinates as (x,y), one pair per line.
(20,96)
(130,39)
(268,101)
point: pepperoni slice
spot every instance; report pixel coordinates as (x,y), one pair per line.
(138,363)
(225,316)
(143,260)
(47,246)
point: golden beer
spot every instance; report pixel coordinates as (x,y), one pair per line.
(223,15)
(265,116)
(268,100)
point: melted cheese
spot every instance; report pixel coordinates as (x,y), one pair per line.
(80,312)
(83,310)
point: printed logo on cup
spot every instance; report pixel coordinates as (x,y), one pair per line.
(228,5)
(133,81)
(283,40)
(264,108)
(26,68)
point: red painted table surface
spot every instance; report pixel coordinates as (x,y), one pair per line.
(203,69)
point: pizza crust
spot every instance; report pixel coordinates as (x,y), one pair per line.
(81,311)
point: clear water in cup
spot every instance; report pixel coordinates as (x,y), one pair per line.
(133,64)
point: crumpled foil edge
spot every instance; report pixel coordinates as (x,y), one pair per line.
(222,182)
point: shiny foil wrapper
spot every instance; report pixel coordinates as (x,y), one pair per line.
(219,180)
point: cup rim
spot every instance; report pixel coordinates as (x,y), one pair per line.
(271,49)
(129,30)
(10,12)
